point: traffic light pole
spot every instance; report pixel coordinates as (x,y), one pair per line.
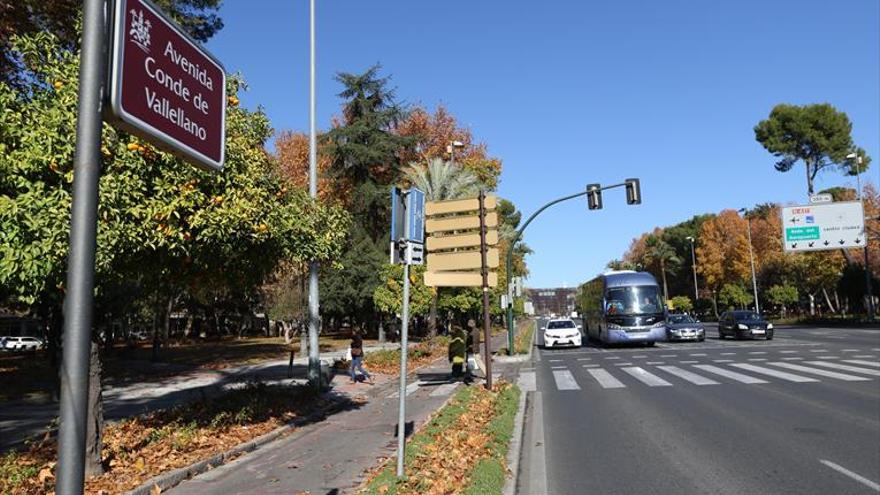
(518,235)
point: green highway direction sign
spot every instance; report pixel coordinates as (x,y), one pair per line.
(818,227)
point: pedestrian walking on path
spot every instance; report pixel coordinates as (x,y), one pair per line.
(457,350)
(357,357)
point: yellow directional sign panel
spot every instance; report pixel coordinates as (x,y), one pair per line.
(461,241)
(458,279)
(459,205)
(467,260)
(469,222)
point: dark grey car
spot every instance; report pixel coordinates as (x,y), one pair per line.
(744,324)
(684,327)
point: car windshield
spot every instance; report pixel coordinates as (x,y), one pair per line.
(675,319)
(560,324)
(633,300)
(747,316)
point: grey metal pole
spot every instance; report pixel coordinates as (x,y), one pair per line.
(694,267)
(401,414)
(78,304)
(869,287)
(752,259)
(314,373)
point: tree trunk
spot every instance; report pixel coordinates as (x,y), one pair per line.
(432,316)
(166,327)
(663,274)
(95,415)
(828,301)
(381,330)
(809,165)
(812,305)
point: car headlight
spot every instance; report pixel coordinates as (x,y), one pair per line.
(613,326)
(769,326)
(742,327)
(658,324)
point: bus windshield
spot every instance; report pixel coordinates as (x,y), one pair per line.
(642,299)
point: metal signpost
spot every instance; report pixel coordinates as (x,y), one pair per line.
(407,247)
(166,89)
(819,227)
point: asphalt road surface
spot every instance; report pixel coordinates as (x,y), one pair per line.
(799,414)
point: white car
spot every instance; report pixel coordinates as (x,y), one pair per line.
(23,344)
(562,332)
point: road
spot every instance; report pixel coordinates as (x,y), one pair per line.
(799,414)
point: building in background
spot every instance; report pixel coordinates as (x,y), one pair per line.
(558,301)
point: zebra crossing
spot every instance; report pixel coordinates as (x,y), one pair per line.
(615,376)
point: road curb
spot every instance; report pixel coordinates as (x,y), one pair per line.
(520,358)
(515,450)
(173,478)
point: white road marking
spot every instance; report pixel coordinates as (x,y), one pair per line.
(584,359)
(826,357)
(757,352)
(648,379)
(697,354)
(591,366)
(558,367)
(733,375)
(818,350)
(528,381)
(793,359)
(787,352)
(668,355)
(826,373)
(722,360)
(689,362)
(565,380)
(850,350)
(777,374)
(612,357)
(555,360)
(622,364)
(728,353)
(757,359)
(865,356)
(866,363)
(640,356)
(845,367)
(655,362)
(444,390)
(846,472)
(605,379)
(687,375)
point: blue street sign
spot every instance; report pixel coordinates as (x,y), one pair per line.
(398,213)
(415,216)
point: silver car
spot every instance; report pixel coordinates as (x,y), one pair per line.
(684,327)
(23,344)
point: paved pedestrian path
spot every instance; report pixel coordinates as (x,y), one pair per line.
(22,419)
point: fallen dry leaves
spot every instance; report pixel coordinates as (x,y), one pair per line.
(139,448)
(444,464)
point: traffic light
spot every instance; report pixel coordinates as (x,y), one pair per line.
(633,192)
(594,196)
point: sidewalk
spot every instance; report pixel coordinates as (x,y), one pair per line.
(22,419)
(332,457)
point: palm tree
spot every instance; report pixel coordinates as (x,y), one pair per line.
(441,180)
(661,253)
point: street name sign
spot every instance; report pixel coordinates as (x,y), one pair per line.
(462,260)
(818,227)
(458,279)
(166,88)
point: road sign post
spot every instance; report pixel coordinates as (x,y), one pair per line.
(163,88)
(407,247)
(484,268)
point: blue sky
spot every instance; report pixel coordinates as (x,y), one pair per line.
(571,93)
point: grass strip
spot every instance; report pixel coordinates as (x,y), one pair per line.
(462,449)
